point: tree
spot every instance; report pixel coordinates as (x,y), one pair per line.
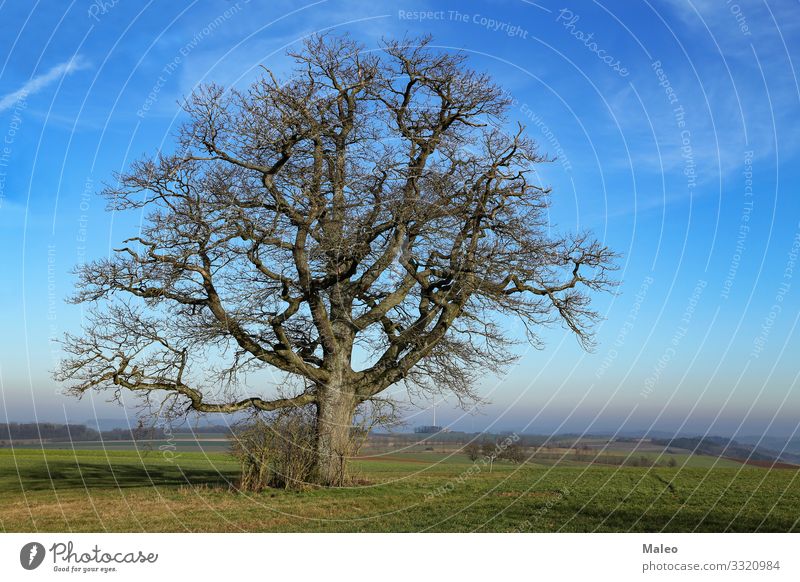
(512,452)
(366,222)
(473,450)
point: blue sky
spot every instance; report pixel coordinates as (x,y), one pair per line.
(676,128)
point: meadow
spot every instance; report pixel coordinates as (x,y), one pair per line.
(411,491)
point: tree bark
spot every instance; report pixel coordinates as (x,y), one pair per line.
(336,405)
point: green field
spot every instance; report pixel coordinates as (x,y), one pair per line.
(62,490)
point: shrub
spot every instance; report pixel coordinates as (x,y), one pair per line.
(513,452)
(276,451)
(489,449)
(473,451)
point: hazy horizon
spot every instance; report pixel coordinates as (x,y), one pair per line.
(681,155)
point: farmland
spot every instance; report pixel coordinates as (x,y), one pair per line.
(184,489)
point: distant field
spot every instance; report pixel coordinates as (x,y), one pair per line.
(65,490)
(601,453)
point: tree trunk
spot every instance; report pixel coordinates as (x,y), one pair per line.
(335,408)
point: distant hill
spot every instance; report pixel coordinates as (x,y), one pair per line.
(790,445)
(727,448)
(46,431)
(101,424)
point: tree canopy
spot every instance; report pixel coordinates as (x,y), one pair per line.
(365,221)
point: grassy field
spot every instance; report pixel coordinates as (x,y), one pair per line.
(63,490)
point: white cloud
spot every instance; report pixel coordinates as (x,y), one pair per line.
(39,82)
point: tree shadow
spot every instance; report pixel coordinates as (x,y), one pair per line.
(68,474)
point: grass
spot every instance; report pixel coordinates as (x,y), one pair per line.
(64,490)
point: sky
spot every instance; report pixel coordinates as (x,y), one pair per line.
(675,128)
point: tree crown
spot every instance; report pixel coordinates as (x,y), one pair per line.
(365,221)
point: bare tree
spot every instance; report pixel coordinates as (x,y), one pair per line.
(512,452)
(364,223)
(473,450)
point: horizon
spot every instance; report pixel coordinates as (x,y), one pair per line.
(682,156)
(111,424)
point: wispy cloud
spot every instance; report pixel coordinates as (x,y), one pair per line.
(39,82)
